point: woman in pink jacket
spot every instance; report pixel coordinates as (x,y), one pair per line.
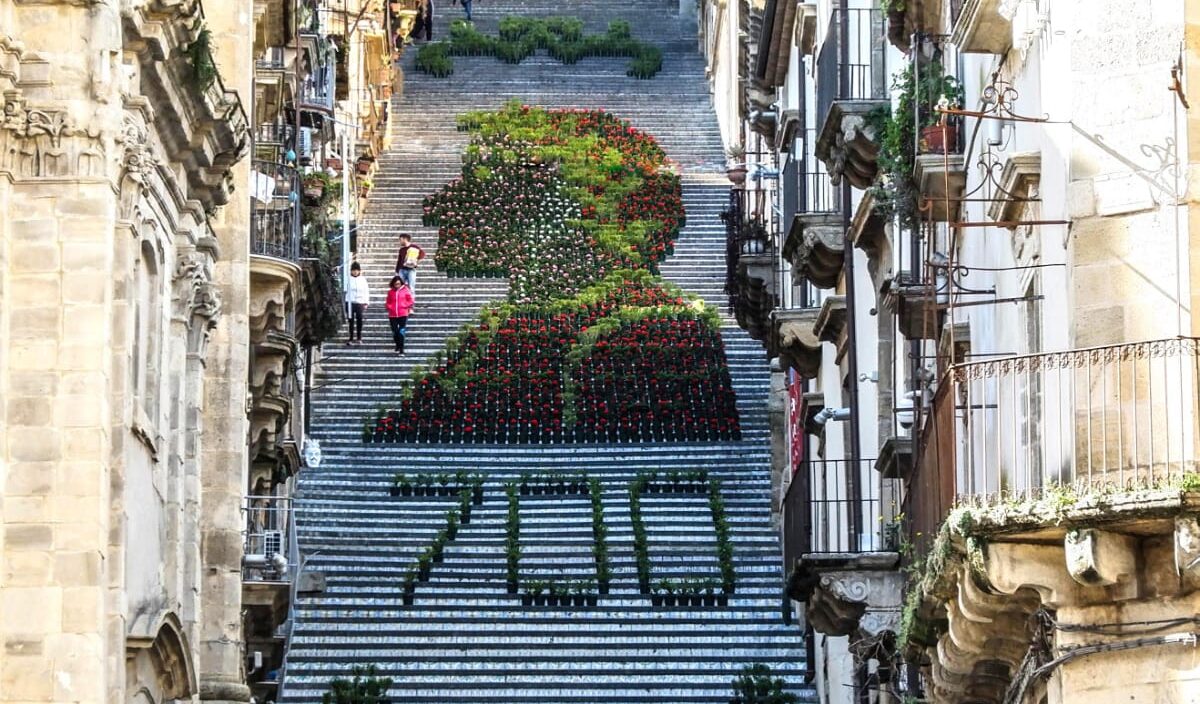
(399,305)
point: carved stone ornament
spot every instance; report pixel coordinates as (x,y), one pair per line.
(40,143)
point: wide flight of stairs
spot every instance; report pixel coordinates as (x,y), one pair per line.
(465,639)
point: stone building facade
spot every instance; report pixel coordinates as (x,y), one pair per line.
(123,365)
(965,232)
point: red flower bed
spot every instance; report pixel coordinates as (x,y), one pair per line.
(655,379)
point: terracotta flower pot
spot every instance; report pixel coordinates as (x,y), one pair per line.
(938,139)
(736,174)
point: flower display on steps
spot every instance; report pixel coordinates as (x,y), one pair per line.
(554,200)
(576,209)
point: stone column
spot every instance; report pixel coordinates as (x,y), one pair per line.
(223,445)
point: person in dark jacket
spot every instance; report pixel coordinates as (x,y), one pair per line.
(406,262)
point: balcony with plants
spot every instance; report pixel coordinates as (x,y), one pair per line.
(920,183)
(1054,483)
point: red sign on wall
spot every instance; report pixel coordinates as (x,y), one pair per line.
(795,419)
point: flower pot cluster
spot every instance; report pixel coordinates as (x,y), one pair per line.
(520,37)
(579,194)
(576,208)
(688,592)
(656,380)
(501,381)
(551,593)
(432,555)
(552,483)
(716,504)
(438,485)
(676,482)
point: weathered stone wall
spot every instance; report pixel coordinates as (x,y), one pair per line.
(111,164)
(1125,241)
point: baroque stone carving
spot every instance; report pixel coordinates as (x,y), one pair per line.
(43,143)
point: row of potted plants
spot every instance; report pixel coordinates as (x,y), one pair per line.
(552,483)
(600,536)
(438,485)
(512,539)
(677,482)
(520,37)
(688,591)
(433,554)
(559,593)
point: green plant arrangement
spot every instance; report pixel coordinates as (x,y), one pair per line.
(512,539)
(599,536)
(895,192)
(199,58)
(689,591)
(364,687)
(716,505)
(756,685)
(575,208)
(520,37)
(641,542)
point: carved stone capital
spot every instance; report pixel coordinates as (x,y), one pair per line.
(44,143)
(840,590)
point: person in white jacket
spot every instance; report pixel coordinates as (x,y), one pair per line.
(358,295)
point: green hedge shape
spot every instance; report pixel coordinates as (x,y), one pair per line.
(521,37)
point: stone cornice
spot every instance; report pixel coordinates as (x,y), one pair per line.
(204,131)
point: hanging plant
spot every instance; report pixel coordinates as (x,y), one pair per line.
(199,58)
(916,109)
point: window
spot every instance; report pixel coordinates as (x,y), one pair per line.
(147,332)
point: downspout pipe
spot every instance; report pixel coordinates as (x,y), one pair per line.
(853,480)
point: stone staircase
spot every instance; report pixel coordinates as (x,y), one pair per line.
(465,639)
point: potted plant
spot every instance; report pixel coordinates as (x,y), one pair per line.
(314,188)
(364,164)
(364,187)
(735,168)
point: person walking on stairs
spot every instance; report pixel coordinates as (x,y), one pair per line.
(399,305)
(358,295)
(466,8)
(406,261)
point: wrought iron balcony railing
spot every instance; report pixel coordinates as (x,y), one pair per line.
(857,73)
(820,515)
(1103,419)
(274,220)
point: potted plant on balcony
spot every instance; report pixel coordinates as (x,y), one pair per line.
(735,168)
(364,164)
(314,188)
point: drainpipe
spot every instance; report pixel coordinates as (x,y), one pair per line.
(853,481)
